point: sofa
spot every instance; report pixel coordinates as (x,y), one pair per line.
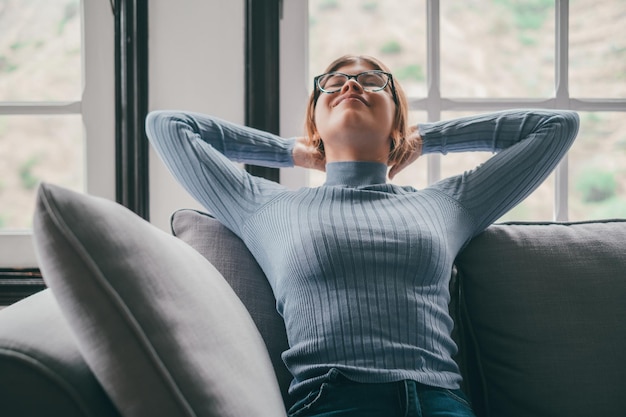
(139,322)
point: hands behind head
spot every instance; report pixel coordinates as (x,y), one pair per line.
(307,156)
(415,140)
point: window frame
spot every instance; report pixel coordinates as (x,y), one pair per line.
(262,102)
(434,103)
(97,109)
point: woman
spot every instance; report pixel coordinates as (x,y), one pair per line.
(359,267)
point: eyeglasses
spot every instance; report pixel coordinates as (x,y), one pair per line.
(370,81)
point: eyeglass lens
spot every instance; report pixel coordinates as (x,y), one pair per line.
(370,81)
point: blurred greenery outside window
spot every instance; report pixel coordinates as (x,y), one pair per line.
(41,130)
(494,55)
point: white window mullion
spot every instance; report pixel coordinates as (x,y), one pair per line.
(494,104)
(561,75)
(98,99)
(295,80)
(433,76)
(9,108)
(598,104)
(561,183)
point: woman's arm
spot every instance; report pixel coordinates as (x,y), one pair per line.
(529,145)
(198,149)
(238,143)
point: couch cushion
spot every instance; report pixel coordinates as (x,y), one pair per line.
(232,258)
(546,308)
(155,321)
(42,373)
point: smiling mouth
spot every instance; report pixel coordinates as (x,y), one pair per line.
(351,98)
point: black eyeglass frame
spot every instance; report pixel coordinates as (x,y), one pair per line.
(318,88)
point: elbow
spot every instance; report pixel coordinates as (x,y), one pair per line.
(158,122)
(571,123)
(167,128)
(567,123)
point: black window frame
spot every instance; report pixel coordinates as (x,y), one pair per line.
(262,106)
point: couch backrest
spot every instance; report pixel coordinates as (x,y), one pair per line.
(545,319)
(542,325)
(231,257)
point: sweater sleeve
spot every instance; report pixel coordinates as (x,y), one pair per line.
(529,145)
(198,150)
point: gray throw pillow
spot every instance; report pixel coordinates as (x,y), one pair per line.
(546,306)
(160,328)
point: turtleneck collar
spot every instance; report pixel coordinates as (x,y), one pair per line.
(355,173)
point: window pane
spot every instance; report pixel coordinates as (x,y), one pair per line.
(598,48)
(40,50)
(497,48)
(597,167)
(34,149)
(391,30)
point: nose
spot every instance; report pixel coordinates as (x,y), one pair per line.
(351,84)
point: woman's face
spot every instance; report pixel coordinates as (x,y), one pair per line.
(355,124)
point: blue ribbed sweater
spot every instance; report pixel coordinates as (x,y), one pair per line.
(360,268)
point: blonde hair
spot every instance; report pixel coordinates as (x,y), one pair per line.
(400,147)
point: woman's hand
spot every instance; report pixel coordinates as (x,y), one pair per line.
(306,156)
(416,145)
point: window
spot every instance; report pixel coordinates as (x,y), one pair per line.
(56,109)
(459,58)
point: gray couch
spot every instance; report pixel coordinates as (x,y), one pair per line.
(138,322)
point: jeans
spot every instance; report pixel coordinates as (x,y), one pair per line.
(340,397)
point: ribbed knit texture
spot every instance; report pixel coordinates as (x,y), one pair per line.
(360,268)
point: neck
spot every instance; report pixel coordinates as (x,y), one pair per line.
(361,149)
(357,157)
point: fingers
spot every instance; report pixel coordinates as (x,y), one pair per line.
(395,169)
(306,156)
(405,162)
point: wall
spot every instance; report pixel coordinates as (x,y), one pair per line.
(196,54)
